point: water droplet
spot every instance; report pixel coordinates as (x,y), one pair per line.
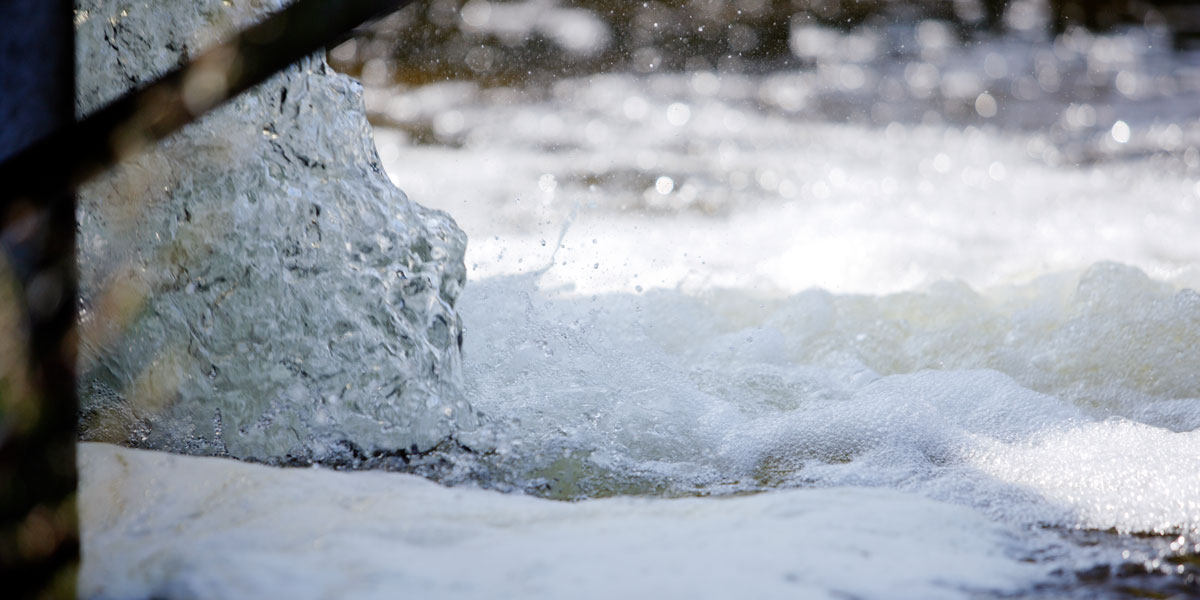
(664,185)
(1120,132)
(985,105)
(678,114)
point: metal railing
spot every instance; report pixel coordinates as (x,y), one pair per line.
(39,543)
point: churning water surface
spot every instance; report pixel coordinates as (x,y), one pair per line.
(940,345)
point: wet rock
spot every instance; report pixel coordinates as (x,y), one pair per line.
(255,286)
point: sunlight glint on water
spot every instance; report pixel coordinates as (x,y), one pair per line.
(952,311)
(940,351)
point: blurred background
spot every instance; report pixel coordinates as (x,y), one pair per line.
(513,41)
(709,107)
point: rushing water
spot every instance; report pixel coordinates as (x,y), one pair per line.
(941,345)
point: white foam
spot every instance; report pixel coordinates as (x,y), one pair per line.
(1115,474)
(159,525)
(946,392)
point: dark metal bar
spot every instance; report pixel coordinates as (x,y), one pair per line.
(179,97)
(39,536)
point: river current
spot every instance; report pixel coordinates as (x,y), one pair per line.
(773,336)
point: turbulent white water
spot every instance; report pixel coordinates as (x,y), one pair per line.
(940,350)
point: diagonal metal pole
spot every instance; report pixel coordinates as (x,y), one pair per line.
(154,111)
